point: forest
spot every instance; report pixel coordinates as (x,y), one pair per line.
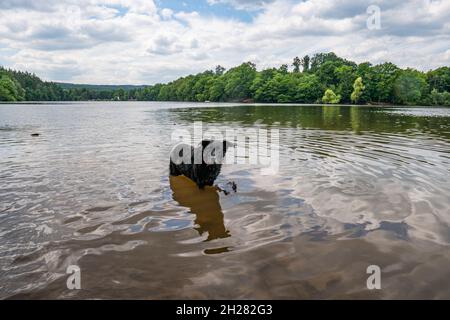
(322,78)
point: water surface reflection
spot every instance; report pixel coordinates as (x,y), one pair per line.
(205,205)
(356,186)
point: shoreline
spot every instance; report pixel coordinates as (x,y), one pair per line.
(223,103)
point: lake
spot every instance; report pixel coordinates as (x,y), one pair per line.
(355,187)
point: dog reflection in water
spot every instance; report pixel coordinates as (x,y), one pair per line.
(203,203)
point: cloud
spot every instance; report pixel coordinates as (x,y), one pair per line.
(137,41)
(26,4)
(165,45)
(50,32)
(106,31)
(243,4)
(61,73)
(166,13)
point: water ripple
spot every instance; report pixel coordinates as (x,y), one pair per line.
(95,184)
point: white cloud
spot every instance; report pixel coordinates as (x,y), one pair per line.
(166,13)
(118,41)
(243,4)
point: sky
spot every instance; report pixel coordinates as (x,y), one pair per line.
(151,41)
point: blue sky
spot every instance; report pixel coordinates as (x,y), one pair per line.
(219,9)
(150,41)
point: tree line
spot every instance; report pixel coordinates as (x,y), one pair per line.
(322,78)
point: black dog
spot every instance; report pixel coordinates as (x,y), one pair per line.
(206,172)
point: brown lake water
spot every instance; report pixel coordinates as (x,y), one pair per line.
(356,186)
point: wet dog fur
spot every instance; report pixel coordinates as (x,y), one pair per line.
(203,174)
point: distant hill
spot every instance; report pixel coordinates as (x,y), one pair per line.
(25,86)
(99,87)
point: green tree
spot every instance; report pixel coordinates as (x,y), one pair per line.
(220,70)
(358,88)
(297,63)
(439,79)
(238,81)
(326,73)
(383,83)
(345,76)
(308,89)
(305,63)
(365,71)
(440,98)
(10,90)
(217,90)
(283,69)
(410,87)
(331,97)
(259,88)
(320,58)
(384,76)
